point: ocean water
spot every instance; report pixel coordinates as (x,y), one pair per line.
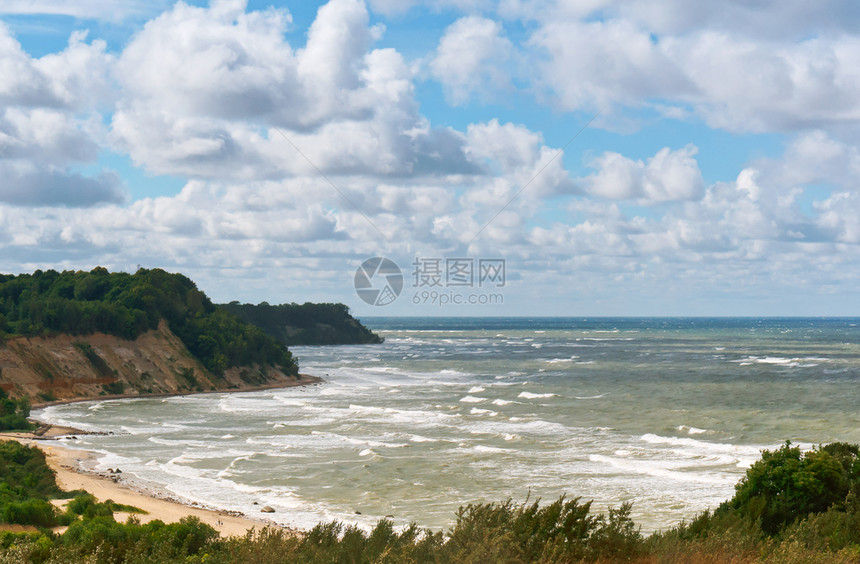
(664,413)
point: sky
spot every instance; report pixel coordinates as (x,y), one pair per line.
(616,157)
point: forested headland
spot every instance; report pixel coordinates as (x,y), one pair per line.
(77,335)
(125,305)
(305,324)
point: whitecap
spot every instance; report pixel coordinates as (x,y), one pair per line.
(472,399)
(530,395)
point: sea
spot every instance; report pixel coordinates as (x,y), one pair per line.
(666,414)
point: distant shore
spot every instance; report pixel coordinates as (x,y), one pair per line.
(69,465)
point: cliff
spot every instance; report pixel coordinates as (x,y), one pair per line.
(65,367)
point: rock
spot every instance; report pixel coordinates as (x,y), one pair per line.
(267,509)
(358,512)
(255,503)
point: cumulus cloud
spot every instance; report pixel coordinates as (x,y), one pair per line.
(471,58)
(49,125)
(712,61)
(667,176)
(58,188)
(236,99)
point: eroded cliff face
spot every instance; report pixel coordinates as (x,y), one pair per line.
(66,367)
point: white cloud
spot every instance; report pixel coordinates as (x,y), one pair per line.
(48,124)
(205,89)
(712,59)
(471,59)
(667,176)
(601,63)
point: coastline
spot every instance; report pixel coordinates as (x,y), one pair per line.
(303,380)
(68,464)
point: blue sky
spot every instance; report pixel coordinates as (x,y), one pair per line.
(266,149)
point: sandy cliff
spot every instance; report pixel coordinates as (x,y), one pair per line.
(65,367)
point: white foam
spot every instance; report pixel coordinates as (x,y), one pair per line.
(490,412)
(530,395)
(705,446)
(499,401)
(472,399)
(490,449)
(476,389)
(795,362)
(560,360)
(663,469)
(598,396)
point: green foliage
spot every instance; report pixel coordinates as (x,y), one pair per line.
(305,324)
(24,472)
(127,305)
(85,505)
(26,483)
(564,530)
(787,485)
(32,511)
(14,413)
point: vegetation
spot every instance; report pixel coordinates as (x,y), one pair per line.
(127,305)
(14,413)
(305,324)
(792,506)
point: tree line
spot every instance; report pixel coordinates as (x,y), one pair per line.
(306,324)
(127,305)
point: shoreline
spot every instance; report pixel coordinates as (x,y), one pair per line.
(303,380)
(68,464)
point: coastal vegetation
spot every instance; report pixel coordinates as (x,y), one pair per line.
(48,303)
(305,324)
(14,413)
(791,506)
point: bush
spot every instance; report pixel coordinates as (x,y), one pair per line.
(33,511)
(14,413)
(787,485)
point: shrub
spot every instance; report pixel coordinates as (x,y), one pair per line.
(787,485)
(33,511)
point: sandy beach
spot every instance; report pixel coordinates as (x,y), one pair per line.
(68,463)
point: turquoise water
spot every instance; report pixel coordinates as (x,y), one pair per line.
(666,413)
